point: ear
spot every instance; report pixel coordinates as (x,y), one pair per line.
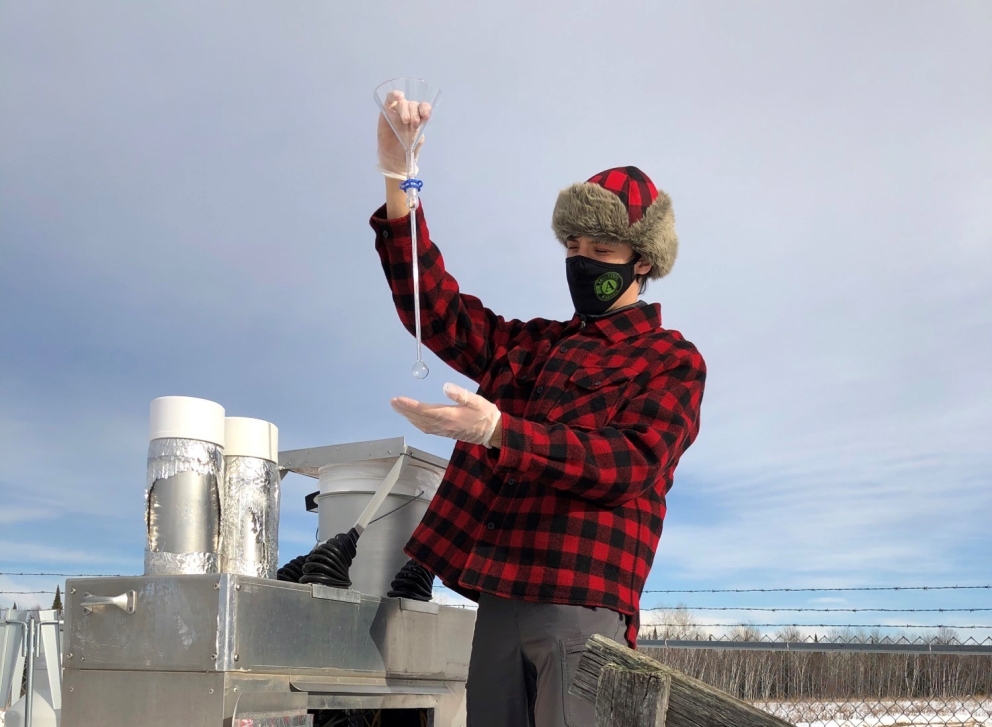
(642,267)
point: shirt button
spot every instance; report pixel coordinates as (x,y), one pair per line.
(539,390)
(511,482)
(385,234)
(491,526)
(564,348)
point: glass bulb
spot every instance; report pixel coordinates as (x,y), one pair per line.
(420,370)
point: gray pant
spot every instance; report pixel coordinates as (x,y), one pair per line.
(524,656)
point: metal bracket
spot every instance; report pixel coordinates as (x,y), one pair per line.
(126,602)
(328,593)
(410,604)
(309,461)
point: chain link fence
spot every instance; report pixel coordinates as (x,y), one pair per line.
(853,683)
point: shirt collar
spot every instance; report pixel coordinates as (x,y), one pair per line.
(633,320)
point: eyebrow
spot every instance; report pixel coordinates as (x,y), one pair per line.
(608,243)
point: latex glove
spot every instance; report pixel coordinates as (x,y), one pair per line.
(407,116)
(472,419)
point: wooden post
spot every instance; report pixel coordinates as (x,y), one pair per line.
(633,690)
(627,697)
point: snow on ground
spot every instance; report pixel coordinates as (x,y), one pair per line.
(885,712)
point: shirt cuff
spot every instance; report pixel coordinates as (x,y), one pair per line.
(513,453)
(397,231)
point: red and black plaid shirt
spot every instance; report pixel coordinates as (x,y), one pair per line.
(596,414)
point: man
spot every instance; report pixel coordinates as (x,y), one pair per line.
(552,506)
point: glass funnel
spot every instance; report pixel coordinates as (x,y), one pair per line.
(408,121)
(408,130)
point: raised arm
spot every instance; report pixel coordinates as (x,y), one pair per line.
(458,328)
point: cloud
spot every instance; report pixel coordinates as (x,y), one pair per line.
(196,223)
(14,552)
(860,521)
(23,514)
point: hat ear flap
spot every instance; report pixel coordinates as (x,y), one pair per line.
(654,236)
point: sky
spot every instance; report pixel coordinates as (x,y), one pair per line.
(185,190)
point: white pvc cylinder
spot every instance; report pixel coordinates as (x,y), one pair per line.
(186,417)
(244,437)
(183,499)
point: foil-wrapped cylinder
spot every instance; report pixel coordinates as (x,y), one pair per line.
(249,537)
(183,506)
(250,519)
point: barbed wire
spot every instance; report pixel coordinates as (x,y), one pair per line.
(820,610)
(739,608)
(807,626)
(703,590)
(821,590)
(756,609)
(820,639)
(73,575)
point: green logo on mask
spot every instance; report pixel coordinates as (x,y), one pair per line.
(607,286)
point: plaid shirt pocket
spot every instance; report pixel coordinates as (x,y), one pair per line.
(591,396)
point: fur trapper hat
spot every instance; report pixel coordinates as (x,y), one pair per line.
(620,204)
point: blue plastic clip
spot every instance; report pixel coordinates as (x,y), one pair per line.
(411,183)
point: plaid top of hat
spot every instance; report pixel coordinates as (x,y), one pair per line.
(621,205)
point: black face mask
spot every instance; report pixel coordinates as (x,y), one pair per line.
(594,285)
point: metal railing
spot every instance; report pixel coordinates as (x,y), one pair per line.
(849,684)
(30,649)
